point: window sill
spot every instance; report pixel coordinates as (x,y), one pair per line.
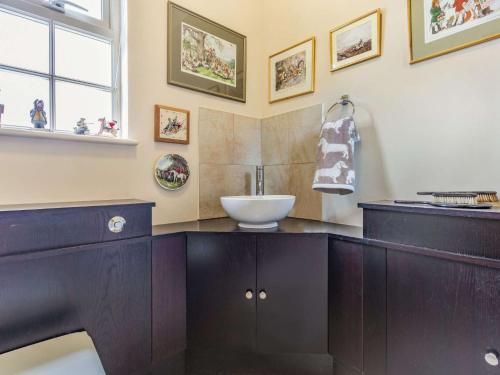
(40,134)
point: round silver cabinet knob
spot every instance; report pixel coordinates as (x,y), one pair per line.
(117,224)
(491,358)
(249,295)
(263,295)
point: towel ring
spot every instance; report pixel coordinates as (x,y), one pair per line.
(344,100)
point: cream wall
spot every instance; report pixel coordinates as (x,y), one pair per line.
(434,125)
(51,171)
(430,126)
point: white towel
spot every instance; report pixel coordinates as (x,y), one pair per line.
(335,172)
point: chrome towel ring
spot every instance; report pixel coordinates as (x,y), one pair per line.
(344,100)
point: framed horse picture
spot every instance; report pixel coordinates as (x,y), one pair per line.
(171,125)
(204,55)
(438,27)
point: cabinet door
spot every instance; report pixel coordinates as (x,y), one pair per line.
(293,272)
(220,270)
(346,305)
(357,308)
(168,276)
(442,316)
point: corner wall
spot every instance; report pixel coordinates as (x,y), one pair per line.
(429,126)
(53,171)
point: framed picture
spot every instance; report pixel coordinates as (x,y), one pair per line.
(205,56)
(171,171)
(356,41)
(437,27)
(292,71)
(171,125)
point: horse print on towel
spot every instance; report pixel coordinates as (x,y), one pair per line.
(330,148)
(332,173)
(336,156)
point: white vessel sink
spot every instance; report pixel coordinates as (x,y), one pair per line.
(258,212)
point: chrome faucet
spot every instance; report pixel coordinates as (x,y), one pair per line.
(259,186)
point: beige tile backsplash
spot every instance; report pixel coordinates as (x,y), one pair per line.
(221,180)
(216,134)
(231,146)
(247,141)
(275,140)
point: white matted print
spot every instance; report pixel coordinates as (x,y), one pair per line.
(358,40)
(444,18)
(292,71)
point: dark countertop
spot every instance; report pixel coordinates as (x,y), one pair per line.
(289,225)
(65,205)
(493,213)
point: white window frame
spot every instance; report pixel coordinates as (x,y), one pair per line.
(108,29)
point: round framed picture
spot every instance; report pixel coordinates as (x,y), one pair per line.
(172,171)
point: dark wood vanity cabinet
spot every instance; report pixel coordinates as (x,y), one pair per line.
(443,288)
(63,270)
(443,316)
(257,293)
(292,272)
(345,287)
(357,308)
(221,269)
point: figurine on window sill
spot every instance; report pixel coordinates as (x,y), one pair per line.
(108,129)
(38,115)
(82,127)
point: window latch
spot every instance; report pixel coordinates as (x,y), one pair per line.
(60,5)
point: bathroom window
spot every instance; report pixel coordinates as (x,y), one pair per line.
(66,54)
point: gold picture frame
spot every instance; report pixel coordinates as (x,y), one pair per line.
(181,136)
(309,85)
(376,52)
(456,42)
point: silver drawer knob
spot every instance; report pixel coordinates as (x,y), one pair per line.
(263,295)
(249,295)
(491,358)
(117,224)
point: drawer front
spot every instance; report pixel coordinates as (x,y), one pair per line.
(456,234)
(27,231)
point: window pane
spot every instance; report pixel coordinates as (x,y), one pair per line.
(82,57)
(94,8)
(24,42)
(18,92)
(77,101)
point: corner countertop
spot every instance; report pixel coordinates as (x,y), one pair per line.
(493,213)
(289,225)
(66,205)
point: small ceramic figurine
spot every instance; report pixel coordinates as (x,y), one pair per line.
(1,112)
(108,129)
(38,115)
(82,127)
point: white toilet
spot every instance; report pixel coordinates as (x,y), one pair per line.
(73,354)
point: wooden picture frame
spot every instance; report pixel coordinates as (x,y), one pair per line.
(218,70)
(172,125)
(302,53)
(426,42)
(352,52)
